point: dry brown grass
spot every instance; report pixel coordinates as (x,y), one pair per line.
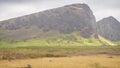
(93,61)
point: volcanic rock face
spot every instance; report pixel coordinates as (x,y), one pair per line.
(109,28)
(67,19)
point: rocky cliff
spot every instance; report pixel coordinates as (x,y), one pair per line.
(66,19)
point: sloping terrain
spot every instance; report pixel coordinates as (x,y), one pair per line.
(69,25)
(109,28)
(67,19)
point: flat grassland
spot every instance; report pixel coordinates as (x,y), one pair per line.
(93,61)
(60,57)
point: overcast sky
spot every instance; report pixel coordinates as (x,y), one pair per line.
(15,8)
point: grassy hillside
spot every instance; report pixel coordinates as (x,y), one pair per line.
(105,41)
(61,45)
(59,40)
(73,39)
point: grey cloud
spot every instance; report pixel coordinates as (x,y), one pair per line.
(105,3)
(100,3)
(18,1)
(3,1)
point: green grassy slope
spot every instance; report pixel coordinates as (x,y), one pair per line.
(106,42)
(73,39)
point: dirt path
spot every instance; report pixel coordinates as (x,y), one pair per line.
(99,61)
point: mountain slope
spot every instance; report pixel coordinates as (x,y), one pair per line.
(67,19)
(68,25)
(109,28)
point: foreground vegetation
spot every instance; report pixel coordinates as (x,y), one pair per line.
(60,49)
(55,51)
(94,61)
